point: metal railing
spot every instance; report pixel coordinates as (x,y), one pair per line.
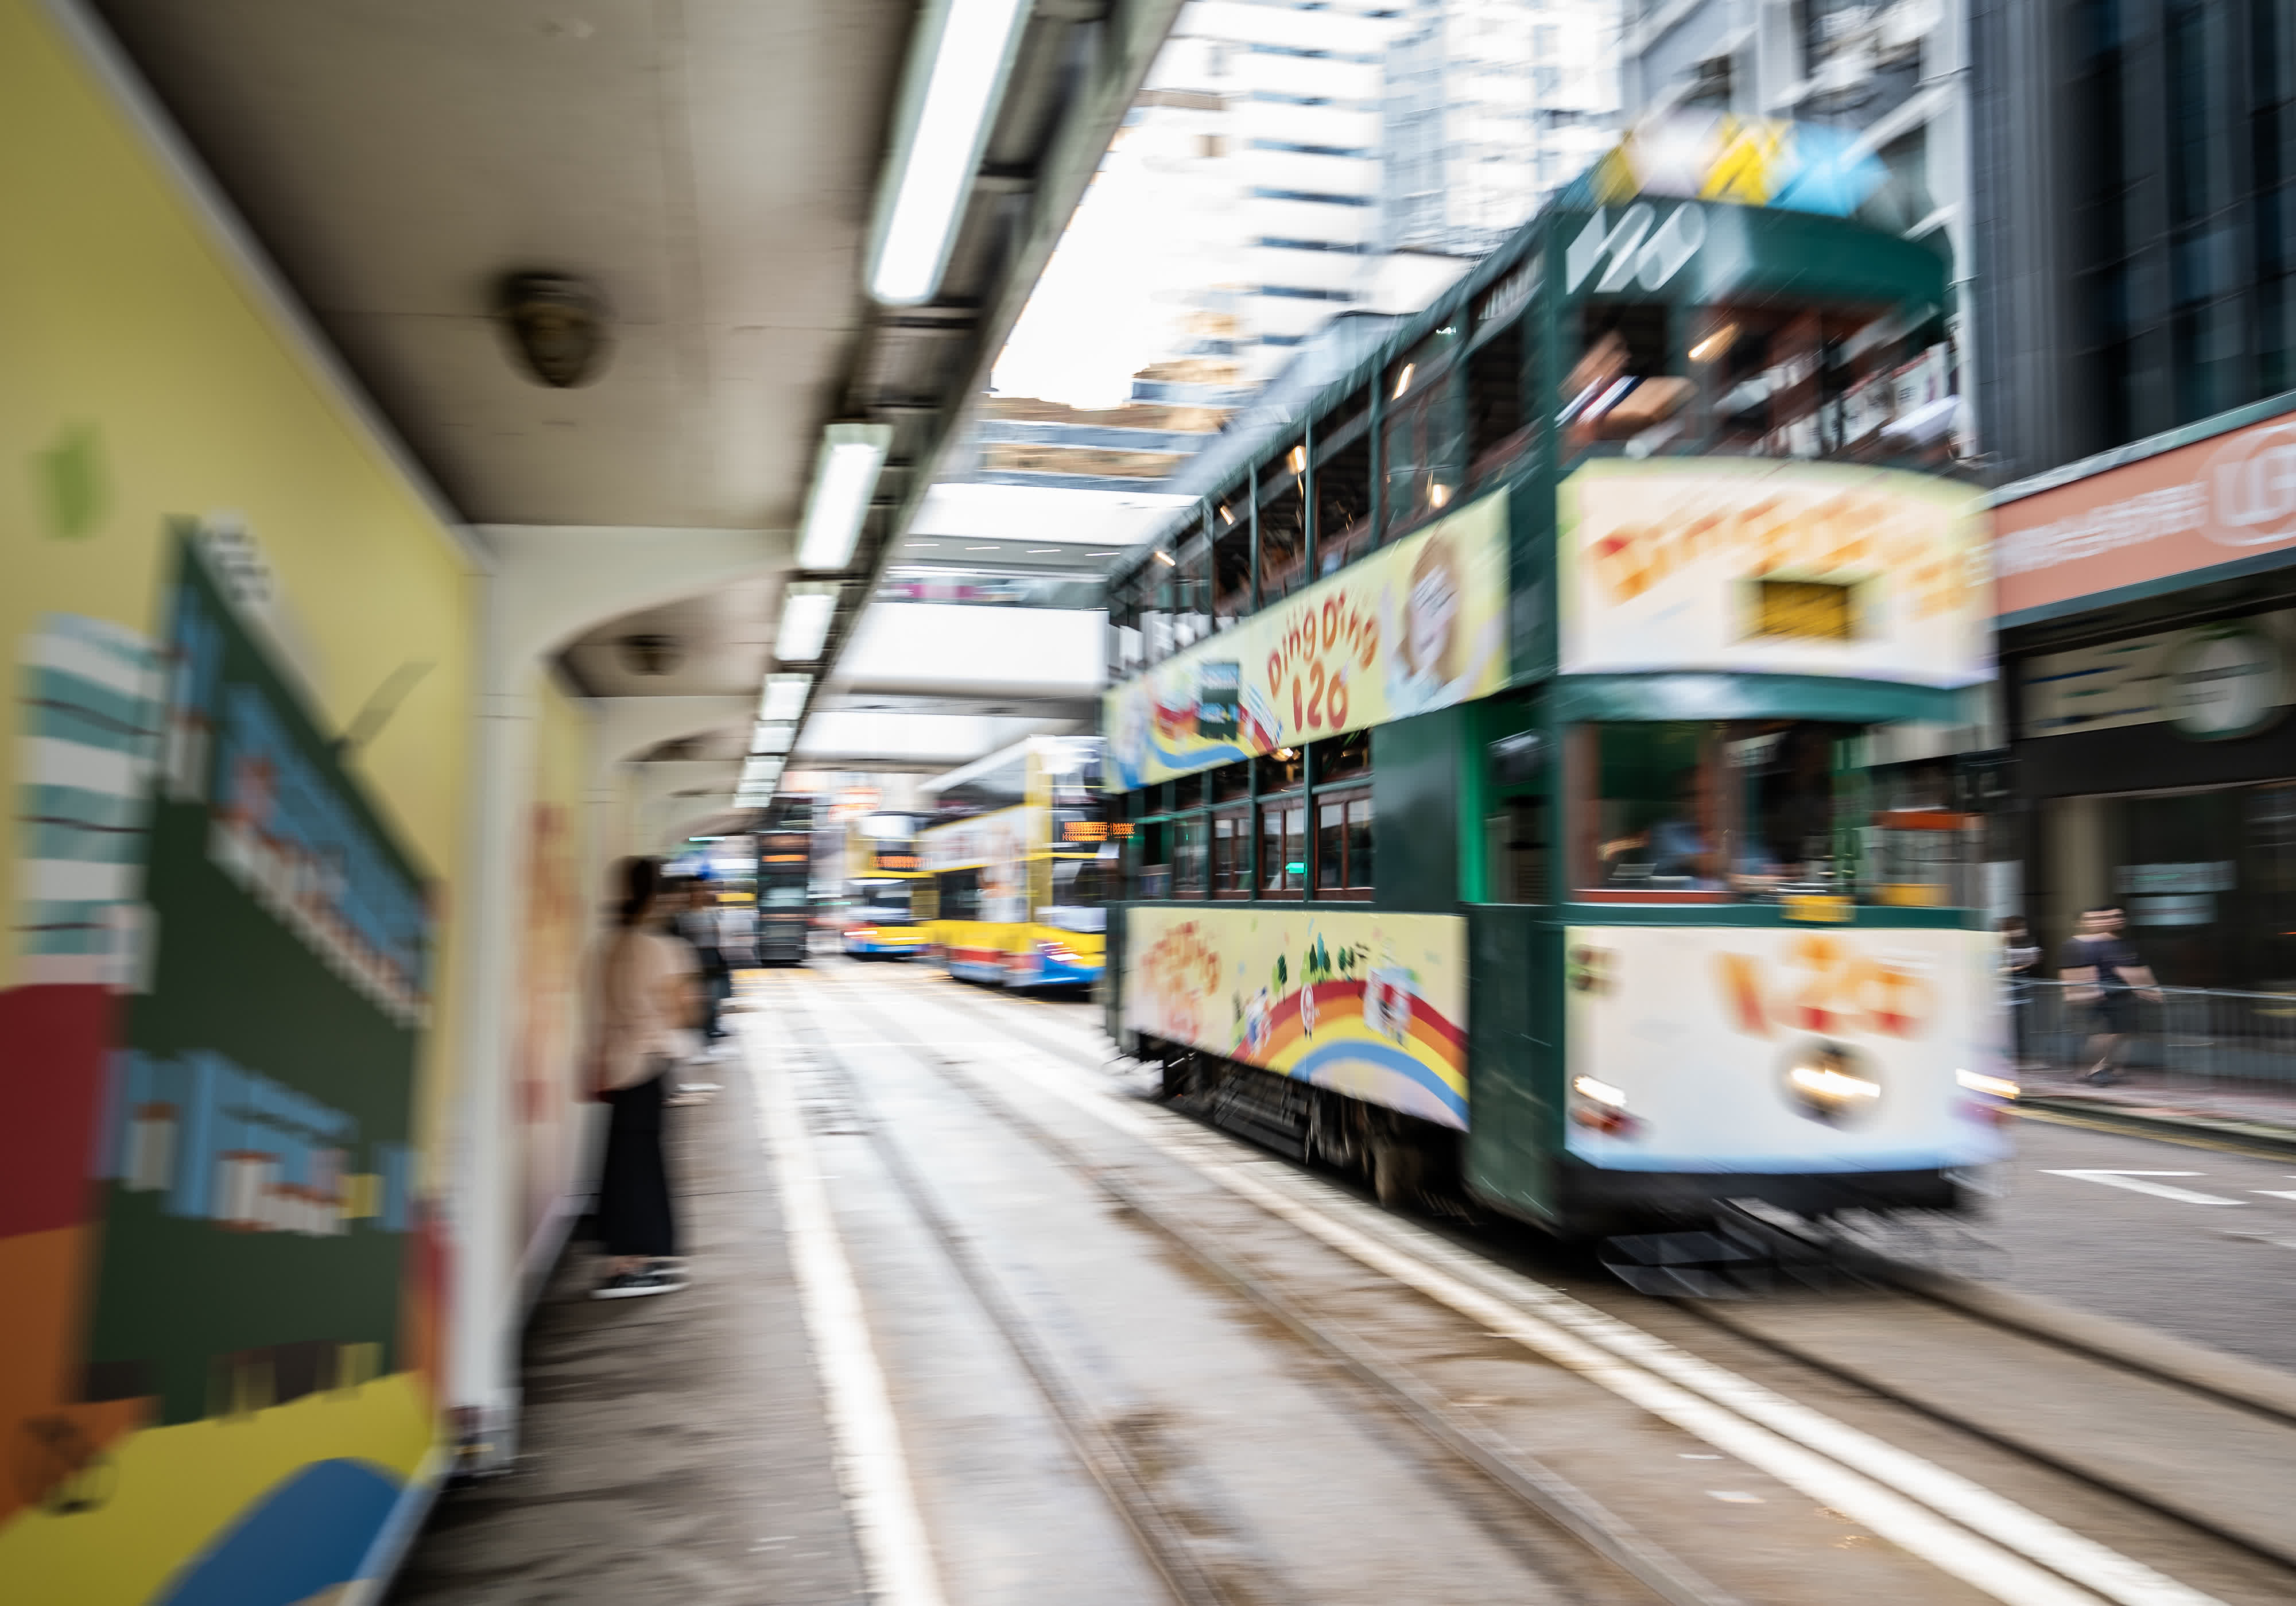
(2194,1036)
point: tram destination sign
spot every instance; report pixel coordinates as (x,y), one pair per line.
(1419,625)
(1762,566)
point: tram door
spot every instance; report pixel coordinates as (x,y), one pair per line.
(1514,959)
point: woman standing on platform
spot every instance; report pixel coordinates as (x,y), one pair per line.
(646,994)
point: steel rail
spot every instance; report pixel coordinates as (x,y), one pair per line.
(1167,1537)
(1551,1496)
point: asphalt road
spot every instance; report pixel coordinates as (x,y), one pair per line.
(2192,1242)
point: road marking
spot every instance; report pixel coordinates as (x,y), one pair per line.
(2275,1192)
(871,1464)
(2134,1181)
(1998,1546)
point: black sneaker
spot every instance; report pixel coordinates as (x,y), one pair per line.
(632,1285)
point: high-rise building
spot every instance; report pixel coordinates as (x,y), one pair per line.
(1490,107)
(2135,204)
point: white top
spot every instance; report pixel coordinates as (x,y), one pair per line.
(635,1015)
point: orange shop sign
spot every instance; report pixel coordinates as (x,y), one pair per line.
(2215,501)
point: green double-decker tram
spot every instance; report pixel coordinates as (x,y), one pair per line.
(1501,758)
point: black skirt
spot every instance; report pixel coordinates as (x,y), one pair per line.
(634,1216)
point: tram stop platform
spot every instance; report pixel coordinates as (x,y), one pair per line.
(674,1448)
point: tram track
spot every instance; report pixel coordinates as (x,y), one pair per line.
(1197,1553)
(1533,1486)
(1797,1339)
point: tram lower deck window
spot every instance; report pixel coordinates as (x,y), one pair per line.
(1343,865)
(1283,849)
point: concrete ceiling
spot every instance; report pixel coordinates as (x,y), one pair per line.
(708,165)
(711,167)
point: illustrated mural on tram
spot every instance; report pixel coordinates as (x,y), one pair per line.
(1018,860)
(1496,753)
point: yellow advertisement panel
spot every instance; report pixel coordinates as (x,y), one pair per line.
(1371,1005)
(1420,625)
(1778,568)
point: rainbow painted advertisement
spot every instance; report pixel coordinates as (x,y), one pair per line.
(1371,1005)
(1419,625)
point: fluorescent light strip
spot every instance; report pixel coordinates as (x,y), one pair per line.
(806,612)
(932,176)
(785,696)
(844,479)
(771,736)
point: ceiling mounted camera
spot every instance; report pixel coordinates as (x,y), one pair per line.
(558,324)
(651,654)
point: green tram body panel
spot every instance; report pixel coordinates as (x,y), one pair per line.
(1821,1017)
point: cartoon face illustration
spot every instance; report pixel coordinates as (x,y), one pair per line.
(1308,1010)
(1430,613)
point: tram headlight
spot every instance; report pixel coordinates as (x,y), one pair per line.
(1600,1107)
(1829,1082)
(1601,1093)
(1997,1087)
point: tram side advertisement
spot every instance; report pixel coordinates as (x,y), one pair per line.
(1717,1048)
(1369,1005)
(1418,626)
(1774,568)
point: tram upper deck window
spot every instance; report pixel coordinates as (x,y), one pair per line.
(1344,526)
(1860,382)
(1424,441)
(1284,524)
(1231,559)
(1712,811)
(1623,386)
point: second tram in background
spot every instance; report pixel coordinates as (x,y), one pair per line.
(1017,860)
(881,874)
(785,880)
(1530,755)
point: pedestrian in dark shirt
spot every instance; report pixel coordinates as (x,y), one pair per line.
(2102,972)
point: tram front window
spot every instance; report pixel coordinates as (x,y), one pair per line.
(1712,811)
(883,903)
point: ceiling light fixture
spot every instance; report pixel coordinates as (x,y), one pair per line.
(844,479)
(775,737)
(1166,558)
(784,697)
(807,609)
(962,56)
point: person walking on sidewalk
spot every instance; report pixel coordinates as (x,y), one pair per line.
(2099,969)
(645,996)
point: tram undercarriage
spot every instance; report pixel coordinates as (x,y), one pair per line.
(1404,1161)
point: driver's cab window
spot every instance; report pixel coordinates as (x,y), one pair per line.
(1707,810)
(1656,823)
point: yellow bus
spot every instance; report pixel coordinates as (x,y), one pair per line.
(881,876)
(1016,862)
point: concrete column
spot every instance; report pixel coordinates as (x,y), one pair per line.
(550,585)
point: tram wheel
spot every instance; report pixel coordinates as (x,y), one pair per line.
(1397,1170)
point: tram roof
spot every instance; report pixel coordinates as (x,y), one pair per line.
(1806,188)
